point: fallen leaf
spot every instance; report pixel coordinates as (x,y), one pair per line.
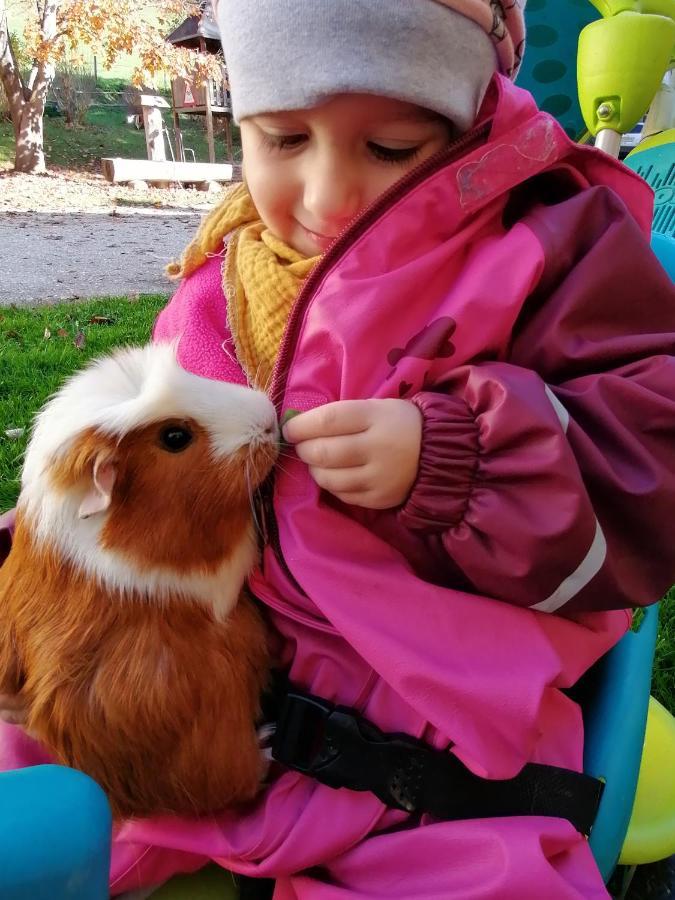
(62,332)
(80,340)
(47,334)
(101,320)
(13,334)
(15,433)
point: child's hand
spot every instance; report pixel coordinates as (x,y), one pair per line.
(365,452)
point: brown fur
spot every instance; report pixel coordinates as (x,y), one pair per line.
(156,700)
(194,509)
(157,703)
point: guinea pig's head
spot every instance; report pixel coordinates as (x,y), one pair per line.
(143,474)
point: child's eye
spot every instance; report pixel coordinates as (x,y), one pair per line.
(393,155)
(282,141)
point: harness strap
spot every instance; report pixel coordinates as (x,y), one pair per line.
(338,747)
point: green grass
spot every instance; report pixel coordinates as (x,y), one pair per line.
(106,134)
(32,366)
(663,687)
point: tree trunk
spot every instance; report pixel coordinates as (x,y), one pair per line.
(30,156)
(27,101)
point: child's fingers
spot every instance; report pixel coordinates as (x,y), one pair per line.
(338,418)
(343,452)
(343,481)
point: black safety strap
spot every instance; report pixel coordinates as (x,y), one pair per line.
(339,748)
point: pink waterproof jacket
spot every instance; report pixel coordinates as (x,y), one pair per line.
(510,293)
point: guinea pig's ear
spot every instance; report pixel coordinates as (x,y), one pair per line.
(98,497)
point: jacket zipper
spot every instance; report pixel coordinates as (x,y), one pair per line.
(344,240)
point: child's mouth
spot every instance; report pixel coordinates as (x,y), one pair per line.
(322,241)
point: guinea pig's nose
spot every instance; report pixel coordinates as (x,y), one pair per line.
(271,428)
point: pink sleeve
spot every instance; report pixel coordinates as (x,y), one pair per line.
(549,477)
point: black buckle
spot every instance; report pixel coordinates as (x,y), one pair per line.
(340,749)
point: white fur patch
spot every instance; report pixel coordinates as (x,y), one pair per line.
(114,395)
(140,385)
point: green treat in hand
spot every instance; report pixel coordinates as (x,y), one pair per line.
(288,415)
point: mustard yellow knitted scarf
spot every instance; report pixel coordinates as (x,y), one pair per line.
(262,277)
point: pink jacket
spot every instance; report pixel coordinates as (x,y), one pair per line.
(512,296)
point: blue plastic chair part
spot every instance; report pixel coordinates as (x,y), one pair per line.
(615,718)
(657,166)
(55,835)
(664,248)
(549,70)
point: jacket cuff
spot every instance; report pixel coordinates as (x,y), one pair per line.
(448,464)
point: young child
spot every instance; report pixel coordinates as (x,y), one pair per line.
(464,309)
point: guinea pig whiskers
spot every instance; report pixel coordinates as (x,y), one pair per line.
(257,383)
(267,387)
(282,468)
(252,502)
(180,783)
(274,396)
(229,353)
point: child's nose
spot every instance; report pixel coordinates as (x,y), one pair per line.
(332,197)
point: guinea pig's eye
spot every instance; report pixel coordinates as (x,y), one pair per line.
(175,438)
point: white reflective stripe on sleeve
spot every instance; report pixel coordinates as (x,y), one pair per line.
(561,412)
(589,568)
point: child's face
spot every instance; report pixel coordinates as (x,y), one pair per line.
(311,171)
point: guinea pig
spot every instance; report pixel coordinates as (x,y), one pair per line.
(124,622)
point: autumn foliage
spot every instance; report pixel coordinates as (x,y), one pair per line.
(58,30)
(123,27)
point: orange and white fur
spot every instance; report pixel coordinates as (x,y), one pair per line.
(123,619)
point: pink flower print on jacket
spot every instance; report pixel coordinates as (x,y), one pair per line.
(432,343)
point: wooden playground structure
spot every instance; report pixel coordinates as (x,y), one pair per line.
(210,101)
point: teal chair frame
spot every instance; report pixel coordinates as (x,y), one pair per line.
(55,835)
(615,719)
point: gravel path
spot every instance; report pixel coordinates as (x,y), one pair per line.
(69,234)
(55,256)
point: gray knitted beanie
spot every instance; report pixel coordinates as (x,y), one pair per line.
(294,54)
